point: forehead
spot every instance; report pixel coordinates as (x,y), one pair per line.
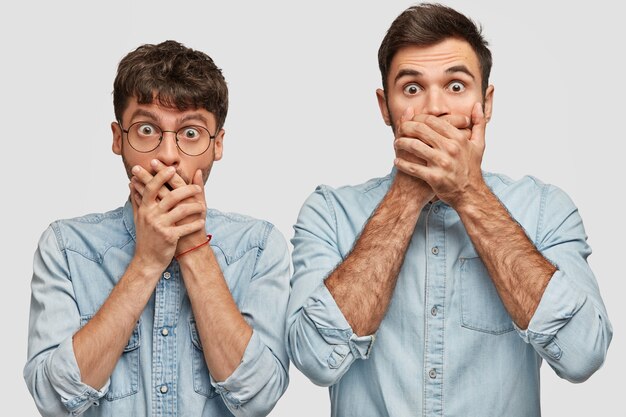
(161,113)
(435,59)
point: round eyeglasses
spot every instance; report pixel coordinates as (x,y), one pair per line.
(146,136)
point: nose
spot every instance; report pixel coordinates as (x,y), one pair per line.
(436,103)
(167,152)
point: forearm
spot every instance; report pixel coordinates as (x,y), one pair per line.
(99,344)
(519,271)
(223,331)
(363,284)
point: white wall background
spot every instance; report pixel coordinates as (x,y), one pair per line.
(302,77)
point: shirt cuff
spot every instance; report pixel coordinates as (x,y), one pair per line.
(64,376)
(332,325)
(256,368)
(559,303)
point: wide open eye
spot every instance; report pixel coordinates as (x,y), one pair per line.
(190,133)
(412,89)
(146,130)
(456,87)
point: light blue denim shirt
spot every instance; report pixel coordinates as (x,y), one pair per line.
(447,346)
(162,371)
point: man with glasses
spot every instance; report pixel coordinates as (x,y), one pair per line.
(162,306)
(438,290)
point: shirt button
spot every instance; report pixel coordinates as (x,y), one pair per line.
(435,250)
(164,331)
(434,311)
(432,373)
(167,275)
(436,209)
(163,389)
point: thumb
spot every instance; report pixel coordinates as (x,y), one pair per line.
(197,178)
(478,124)
(408,114)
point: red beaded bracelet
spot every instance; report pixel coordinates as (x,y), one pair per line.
(208,239)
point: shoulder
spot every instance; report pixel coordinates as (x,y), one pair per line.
(365,195)
(532,202)
(527,188)
(235,234)
(92,234)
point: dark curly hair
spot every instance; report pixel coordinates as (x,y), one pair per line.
(175,76)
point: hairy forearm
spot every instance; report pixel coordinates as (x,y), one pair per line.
(99,344)
(223,331)
(363,284)
(519,272)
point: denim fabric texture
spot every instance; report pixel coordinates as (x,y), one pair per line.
(162,371)
(446,346)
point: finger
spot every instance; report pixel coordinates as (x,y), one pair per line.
(408,114)
(189,228)
(143,177)
(422,131)
(199,181)
(137,185)
(176,196)
(450,126)
(183,211)
(416,148)
(479,124)
(152,187)
(460,121)
(176,182)
(412,169)
(197,178)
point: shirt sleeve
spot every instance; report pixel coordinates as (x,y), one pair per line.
(570,328)
(320,342)
(51,372)
(262,376)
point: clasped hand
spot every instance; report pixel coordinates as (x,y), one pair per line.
(444,152)
(166,221)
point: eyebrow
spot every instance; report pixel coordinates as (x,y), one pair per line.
(194,116)
(460,68)
(155,117)
(416,73)
(406,73)
(145,113)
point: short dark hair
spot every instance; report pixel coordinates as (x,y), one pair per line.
(427,24)
(175,76)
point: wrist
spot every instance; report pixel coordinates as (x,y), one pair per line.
(413,192)
(192,246)
(472,199)
(144,269)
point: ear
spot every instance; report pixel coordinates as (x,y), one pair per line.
(218,146)
(116,129)
(382,104)
(488,107)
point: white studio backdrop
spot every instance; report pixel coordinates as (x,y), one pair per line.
(302,77)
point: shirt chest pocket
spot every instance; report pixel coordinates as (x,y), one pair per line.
(201,379)
(125,376)
(481,307)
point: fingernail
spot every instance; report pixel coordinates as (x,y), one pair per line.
(135,169)
(154,163)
